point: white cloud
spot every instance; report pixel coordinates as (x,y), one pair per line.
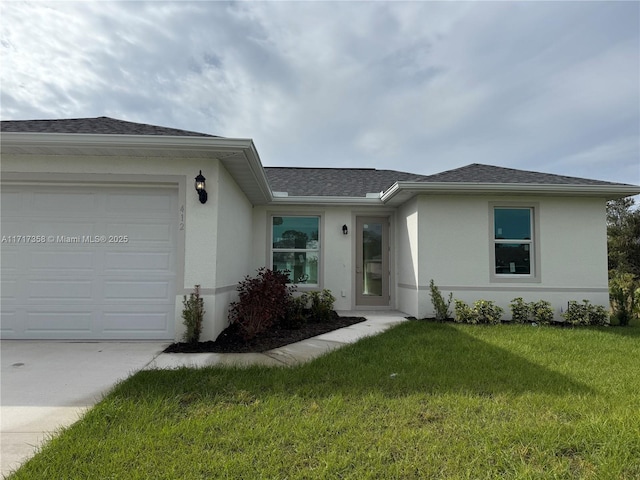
(621,152)
(415,86)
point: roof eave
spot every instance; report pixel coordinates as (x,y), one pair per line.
(238,155)
(325,200)
(11,140)
(400,192)
(250,175)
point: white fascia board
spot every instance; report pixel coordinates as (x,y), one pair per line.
(254,165)
(326,200)
(116,142)
(417,188)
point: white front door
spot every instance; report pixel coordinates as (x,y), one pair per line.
(88,262)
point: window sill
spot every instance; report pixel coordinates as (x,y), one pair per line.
(302,287)
(514,279)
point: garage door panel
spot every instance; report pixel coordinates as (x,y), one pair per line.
(116,290)
(63,230)
(60,290)
(131,204)
(138,262)
(9,258)
(62,261)
(9,319)
(11,201)
(147,233)
(81,289)
(64,204)
(62,323)
(10,290)
(136,322)
(10,228)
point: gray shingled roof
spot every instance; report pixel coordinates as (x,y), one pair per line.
(98,125)
(479,173)
(357,182)
(339,182)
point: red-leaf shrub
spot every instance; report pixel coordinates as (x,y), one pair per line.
(262,301)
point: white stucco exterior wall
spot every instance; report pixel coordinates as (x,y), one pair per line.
(233,248)
(338,262)
(408,258)
(455,246)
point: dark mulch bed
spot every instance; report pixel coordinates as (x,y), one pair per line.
(230,340)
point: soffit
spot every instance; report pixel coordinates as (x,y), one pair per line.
(238,156)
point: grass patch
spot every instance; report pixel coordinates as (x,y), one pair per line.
(423,400)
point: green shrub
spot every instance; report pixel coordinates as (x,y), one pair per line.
(440,306)
(576,314)
(624,294)
(542,312)
(585,314)
(192,315)
(310,306)
(262,301)
(483,311)
(598,315)
(520,310)
(321,305)
(296,315)
(464,313)
(487,312)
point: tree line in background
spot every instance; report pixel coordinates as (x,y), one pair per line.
(623,241)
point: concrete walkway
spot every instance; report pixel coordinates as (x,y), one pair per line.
(289,355)
(48,385)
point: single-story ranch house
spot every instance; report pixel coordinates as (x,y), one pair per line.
(103,231)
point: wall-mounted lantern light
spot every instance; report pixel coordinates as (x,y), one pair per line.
(345,230)
(200,188)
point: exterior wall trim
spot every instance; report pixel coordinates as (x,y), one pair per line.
(214,291)
(223,289)
(507,288)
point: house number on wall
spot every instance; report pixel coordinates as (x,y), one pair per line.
(182,217)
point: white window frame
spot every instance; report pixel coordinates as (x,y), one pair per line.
(534,250)
(318,251)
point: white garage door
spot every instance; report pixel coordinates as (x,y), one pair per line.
(88,263)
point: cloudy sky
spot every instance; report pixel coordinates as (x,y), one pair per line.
(414,86)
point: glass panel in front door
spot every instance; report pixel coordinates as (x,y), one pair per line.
(372,265)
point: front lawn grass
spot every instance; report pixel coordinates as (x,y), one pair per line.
(423,400)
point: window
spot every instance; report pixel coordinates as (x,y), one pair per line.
(296,248)
(513,243)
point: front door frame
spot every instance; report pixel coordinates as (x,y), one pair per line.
(368,301)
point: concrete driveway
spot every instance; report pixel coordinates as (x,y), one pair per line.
(46,385)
